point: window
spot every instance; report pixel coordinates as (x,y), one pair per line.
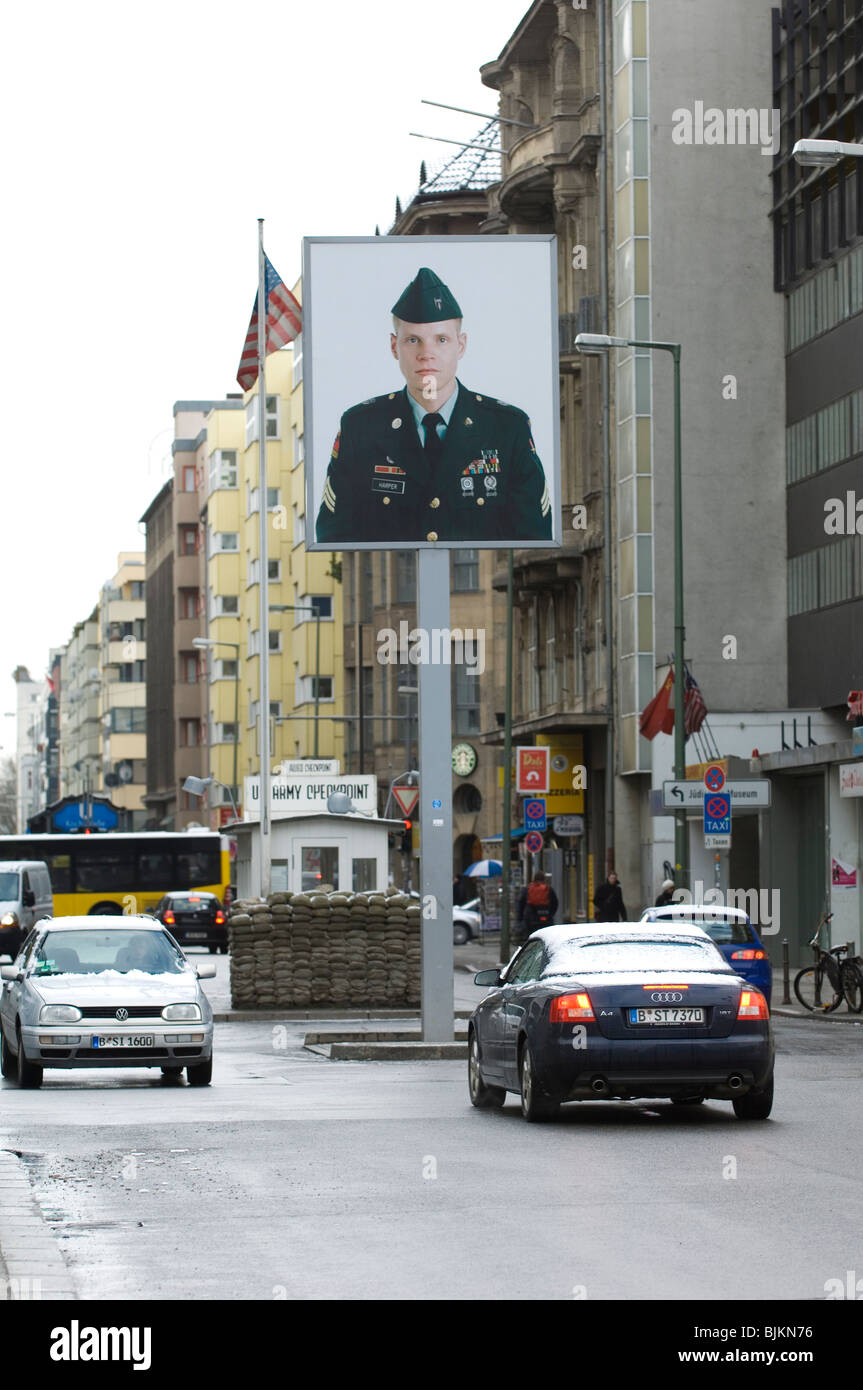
(297,350)
(382,589)
(465,571)
(132,671)
(366,595)
(274,571)
(273,498)
(226,670)
(553,690)
(275,709)
(126,720)
(321,603)
(226,604)
(299,527)
(533,687)
(188,603)
(252,499)
(253,572)
(226,540)
(275,640)
(466,689)
(305,689)
(271,419)
(189,482)
(223,469)
(139,628)
(254,642)
(188,540)
(137,587)
(189,669)
(254,712)
(190,733)
(406,576)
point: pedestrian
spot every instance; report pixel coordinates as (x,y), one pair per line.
(537,905)
(667,894)
(459,891)
(608,900)
(435,461)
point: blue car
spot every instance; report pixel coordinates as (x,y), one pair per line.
(619,1011)
(732,932)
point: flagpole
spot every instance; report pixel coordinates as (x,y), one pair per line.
(263,574)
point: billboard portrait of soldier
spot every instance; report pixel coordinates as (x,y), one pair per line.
(438,459)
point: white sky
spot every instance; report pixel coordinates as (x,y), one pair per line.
(141,145)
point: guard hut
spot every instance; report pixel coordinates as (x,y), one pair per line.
(347,852)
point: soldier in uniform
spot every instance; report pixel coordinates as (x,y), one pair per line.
(435,461)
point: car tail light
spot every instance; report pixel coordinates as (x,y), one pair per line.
(747,955)
(567,1008)
(194,897)
(752,1004)
(169,918)
(220,918)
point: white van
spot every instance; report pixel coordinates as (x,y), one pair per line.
(25,896)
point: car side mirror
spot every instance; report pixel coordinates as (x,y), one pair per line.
(11,972)
(206,970)
(487,977)
(28,898)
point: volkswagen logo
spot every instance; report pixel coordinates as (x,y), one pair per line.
(122,1014)
(666,997)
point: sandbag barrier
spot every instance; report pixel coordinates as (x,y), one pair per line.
(323,949)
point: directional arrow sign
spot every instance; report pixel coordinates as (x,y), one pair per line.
(689,796)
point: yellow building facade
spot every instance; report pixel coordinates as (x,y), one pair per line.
(304,632)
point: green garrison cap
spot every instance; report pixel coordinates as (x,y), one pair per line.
(426,300)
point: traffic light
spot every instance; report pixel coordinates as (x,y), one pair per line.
(407,837)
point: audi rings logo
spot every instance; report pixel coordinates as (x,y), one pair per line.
(666,996)
(121,1015)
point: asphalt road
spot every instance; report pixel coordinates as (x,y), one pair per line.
(296,1177)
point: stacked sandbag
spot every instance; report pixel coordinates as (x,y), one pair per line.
(325,949)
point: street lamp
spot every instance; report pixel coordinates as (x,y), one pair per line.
(199,786)
(824,154)
(204,643)
(301,608)
(596,344)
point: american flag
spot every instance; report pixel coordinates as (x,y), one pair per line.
(694,708)
(284,322)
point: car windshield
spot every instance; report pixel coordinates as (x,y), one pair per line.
(90,952)
(724,930)
(8,887)
(602,955)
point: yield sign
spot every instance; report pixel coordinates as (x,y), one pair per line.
(407,798)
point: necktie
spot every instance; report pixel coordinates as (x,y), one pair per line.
(433,444)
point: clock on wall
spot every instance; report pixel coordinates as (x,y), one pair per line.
(463,759)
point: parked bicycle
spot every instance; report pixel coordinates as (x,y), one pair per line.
(822,986)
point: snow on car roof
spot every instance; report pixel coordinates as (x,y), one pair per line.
(568,931)
(684,910)
(97,921)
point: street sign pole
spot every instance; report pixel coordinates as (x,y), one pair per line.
(435,806)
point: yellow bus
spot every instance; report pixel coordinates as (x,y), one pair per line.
(100,874)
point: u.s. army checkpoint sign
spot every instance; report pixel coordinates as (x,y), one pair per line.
(289,794)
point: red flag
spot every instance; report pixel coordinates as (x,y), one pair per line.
(284,323)
(658,716)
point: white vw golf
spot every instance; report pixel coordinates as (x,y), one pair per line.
(117,994)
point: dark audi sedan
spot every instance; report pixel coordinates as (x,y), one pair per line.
(194,919)
(623,1011)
